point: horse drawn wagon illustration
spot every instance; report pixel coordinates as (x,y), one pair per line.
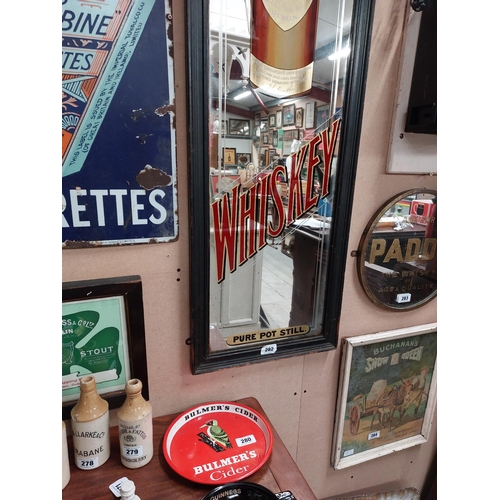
(381,403)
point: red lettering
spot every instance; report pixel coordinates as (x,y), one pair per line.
(273,232)
(225,232)
(329,144)
(295,208)
(248,211)
(262,193)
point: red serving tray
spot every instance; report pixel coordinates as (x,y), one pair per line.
(195,448)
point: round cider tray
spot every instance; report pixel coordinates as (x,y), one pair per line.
(217,443)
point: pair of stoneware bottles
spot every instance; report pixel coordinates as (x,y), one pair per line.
(90,425)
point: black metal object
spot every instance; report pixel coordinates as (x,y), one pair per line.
(422,103)
(418,5)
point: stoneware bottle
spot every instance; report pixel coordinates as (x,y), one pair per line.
(90,424)
(65,457)
(135,423)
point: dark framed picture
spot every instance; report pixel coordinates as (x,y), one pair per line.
(288,115)
(239,127)
(103,336)
(299,117)
(265,138)
(387,394)
(256,121)
(272,121)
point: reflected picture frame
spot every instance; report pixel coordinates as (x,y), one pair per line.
(288,115)
(239,128)
(205,356)
(103,335)
(299,117)
(279,118)
(310,114)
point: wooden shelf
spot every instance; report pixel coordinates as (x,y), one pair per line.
(157,480)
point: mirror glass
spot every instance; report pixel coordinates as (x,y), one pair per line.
(276,90)
(397,257)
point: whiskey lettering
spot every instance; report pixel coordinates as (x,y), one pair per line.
(238,209)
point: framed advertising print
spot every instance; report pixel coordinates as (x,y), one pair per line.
(236,236)
(103,336)
(118,115)
(272,121)
(387,394)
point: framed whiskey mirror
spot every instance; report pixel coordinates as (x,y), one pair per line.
(269,232)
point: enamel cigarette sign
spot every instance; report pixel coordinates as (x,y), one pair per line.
(118,137)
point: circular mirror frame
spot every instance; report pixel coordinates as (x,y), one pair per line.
(365,240)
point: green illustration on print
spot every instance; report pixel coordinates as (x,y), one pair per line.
(82,350)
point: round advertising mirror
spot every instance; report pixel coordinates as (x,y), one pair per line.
(397,254)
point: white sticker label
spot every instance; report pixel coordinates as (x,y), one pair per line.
(347,453)
(117,486)
(244,441)
(88,463)
(269,349)
(373,435)
(403,297)
(132,451)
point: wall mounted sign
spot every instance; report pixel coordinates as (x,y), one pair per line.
(102,335)
(387,394)
(397,254)
(252,300)
(118,137)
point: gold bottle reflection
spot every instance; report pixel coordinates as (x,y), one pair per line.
(283,39)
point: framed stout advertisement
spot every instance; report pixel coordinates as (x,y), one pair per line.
(235,238)
(387,394)
(103,336)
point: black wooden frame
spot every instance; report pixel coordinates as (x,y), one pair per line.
(129,287)
(202,359)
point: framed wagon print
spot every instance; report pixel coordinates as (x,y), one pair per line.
(103,336)
(387,394)
(233,243)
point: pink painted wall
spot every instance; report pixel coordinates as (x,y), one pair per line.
(298,394)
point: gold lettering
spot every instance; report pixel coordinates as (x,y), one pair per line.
(378,248)
(394,252)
